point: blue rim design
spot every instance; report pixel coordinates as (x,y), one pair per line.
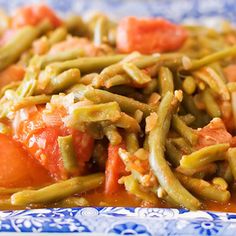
(118,220)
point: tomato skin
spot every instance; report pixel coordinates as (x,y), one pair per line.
(33,15)
(214,133)
(149,35)
(115,168)
(17,168)
(41,141)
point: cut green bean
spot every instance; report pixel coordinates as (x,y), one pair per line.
(57,35)
(61,82)
(160,167)
(112,134)
(204,189)
(212,107)
(228,52)
(131,142)
(132,186)
(188,133)
(187,119)
(98,112)
(30,101)
(100,30)
(127,104)
(116,80)
(174,155)
(189,85)
(85,64)
(166,80)
(58,191)
(136,74)
(68,154)
(151,87)
(204,156)
(182,144)
(12,50)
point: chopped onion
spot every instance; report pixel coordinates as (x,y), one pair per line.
(52,119)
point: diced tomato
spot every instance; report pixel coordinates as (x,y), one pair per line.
(11,74)
(115,168)
(33,15)
(149,35)
(17,168)
(41,141)
(214,133)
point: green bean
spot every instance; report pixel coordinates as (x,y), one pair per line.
(116,80)
(188,133)
(151,87)
(215,82)
(189,85)
(57,35)
(225,172)
(76,26)
(166,80)
(182,145)
(85,64)
(231,155)
(132,186)
(61,82)
(30,101)
(7,191)
(127,122)
(68,154)
(88,79)
(135,73)
(112,134)
(98,112)
(187,119)
(174,155)
(201,117)
(115,69)
(160,167)
(199,172)
(13,85)
(204,156)
(58,191)
(212,107)
(127,104)
(231,86)
(228,52)
(204,189)
(61,56)
(12,50)
(131,142)
(100,31)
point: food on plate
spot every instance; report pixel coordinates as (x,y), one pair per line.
(140,112)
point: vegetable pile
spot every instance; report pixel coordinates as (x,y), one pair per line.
(143,105)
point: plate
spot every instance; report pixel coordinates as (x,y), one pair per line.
(118,220)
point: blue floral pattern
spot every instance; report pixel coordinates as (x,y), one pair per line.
(118,220)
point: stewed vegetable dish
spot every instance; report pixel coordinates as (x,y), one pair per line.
(93,112)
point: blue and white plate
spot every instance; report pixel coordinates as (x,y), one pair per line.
(118,220)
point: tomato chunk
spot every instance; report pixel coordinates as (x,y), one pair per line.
(40,140)
(214,133)
(149,35)
(11,74)
(115,168)
(33,15)
(17,168)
